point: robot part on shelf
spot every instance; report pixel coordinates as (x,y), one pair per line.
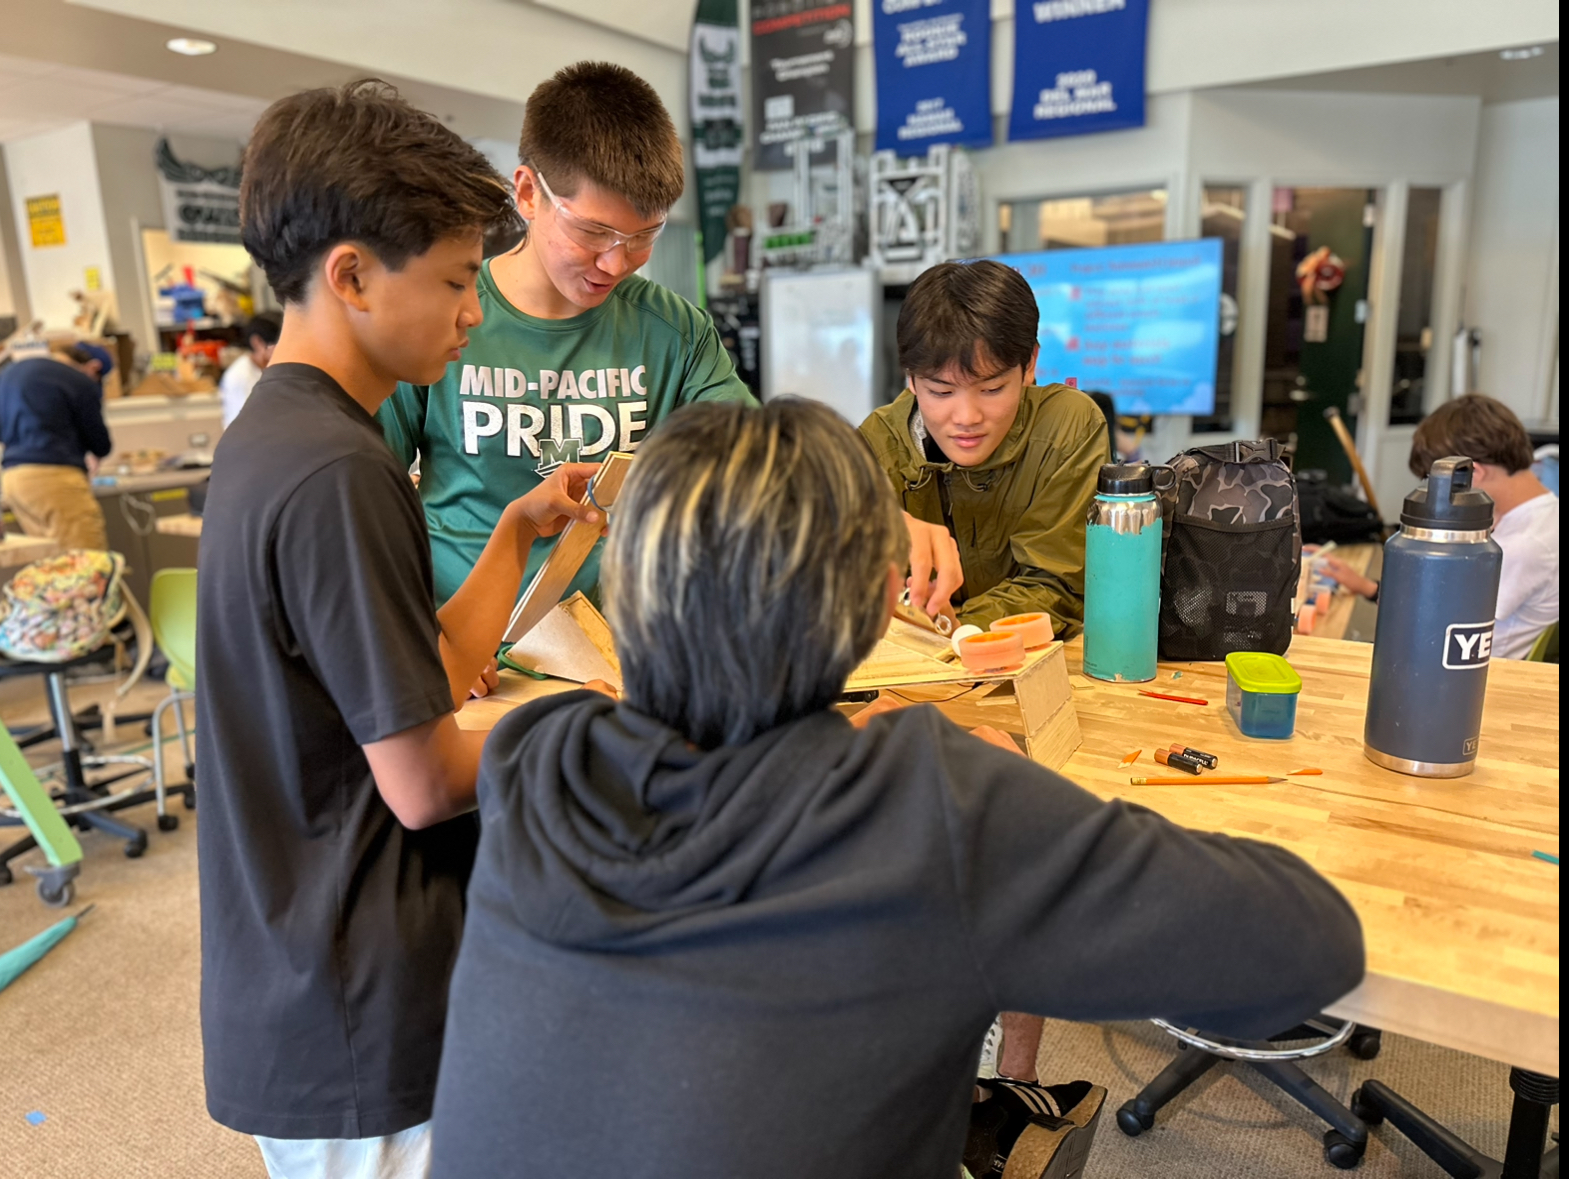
(924,211)
(823,206)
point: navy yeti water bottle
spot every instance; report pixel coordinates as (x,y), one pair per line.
(1434,639)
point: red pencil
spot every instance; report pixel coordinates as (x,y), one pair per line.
(1178,699)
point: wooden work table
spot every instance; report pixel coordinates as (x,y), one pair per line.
(1461,920)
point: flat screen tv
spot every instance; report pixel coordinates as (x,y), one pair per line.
(1141,322)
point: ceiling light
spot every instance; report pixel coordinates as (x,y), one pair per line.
(194,46)
(1525,54)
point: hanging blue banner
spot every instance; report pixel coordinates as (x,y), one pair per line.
(933,73)
(1078,67)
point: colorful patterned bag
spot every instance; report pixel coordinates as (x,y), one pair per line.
(63,607)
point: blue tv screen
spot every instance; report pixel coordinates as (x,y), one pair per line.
(1141,322)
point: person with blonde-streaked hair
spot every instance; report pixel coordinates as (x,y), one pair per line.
(715,929)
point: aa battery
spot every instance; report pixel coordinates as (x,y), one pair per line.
(1178,761)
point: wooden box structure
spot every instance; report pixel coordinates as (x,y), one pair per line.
(1033,703)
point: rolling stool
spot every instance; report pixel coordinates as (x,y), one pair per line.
(1525,1155)
(1344,1142)
(82,804)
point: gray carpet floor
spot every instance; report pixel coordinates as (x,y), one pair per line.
(102,1039)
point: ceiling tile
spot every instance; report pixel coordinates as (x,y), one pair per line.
(53,98)
(216,100)
(149,111)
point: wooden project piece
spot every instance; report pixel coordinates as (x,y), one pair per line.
(572,642)
(1034,702)
(572,547)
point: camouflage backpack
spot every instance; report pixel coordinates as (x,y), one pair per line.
(1232,548)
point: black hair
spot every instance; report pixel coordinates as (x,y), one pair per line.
(979,314)
(265,326)
(358,163)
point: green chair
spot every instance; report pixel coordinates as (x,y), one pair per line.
(56,883)
(1545,649)
(172,611)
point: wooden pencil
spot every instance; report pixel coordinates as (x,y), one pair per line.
(1207,780)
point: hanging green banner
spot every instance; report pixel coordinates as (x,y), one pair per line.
(718,131)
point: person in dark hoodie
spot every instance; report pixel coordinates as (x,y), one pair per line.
(768,943)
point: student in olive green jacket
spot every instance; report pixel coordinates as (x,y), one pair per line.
(973,444)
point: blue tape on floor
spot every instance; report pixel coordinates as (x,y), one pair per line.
(37,1118)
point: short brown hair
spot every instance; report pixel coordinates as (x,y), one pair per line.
(358,163)
(745,576)
(602,123)
(974,314)
(1476,427)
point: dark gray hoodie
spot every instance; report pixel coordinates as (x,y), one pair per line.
(778,960)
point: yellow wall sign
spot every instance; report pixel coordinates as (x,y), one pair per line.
(43,218)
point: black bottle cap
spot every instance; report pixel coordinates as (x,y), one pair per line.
(1125,479)
(1447,500)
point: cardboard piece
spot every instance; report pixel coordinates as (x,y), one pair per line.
(572,642)
(571,550)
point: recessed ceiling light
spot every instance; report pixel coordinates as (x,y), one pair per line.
(1525,54)
(194,46)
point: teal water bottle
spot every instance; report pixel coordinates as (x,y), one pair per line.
(1122,575)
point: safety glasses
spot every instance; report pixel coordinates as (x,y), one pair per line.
(591,235)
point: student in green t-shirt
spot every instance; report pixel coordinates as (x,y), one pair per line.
(577,355)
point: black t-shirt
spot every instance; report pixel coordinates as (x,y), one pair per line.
(329,930)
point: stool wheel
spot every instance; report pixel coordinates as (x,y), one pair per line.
(5,874)
(136,845)
(1365,1045)
(1369,1114)
(1341,1151)
(1131,1122)
(168,822)
(56,898)
(189,797)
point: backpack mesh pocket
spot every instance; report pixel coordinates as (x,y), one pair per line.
(1227,587)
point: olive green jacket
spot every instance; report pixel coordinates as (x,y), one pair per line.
(1019,517)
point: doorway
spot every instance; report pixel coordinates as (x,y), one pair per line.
(1321,252)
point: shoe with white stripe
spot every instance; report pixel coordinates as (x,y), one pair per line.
(1030,1131)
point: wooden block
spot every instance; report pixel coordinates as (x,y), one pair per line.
(572,547)
(1056,739)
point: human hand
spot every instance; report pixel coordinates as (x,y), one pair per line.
(557,501)
(489,677)
(995,737)
(883,703)
(1338,570)
(603,689)
(935,570)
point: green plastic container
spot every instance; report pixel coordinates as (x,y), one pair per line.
(1261,692)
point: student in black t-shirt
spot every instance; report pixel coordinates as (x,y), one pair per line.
(334,841)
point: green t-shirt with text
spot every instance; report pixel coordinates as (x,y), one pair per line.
(530,394)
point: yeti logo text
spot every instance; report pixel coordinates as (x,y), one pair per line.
(1467,645)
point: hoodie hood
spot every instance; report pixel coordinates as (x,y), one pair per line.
(617,825)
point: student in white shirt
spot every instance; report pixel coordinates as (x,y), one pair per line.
(1525,514)
(261,334)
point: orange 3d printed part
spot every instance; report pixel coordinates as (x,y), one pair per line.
(1034,629)
(991,652)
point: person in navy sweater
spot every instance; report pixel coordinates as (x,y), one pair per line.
(52,427)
